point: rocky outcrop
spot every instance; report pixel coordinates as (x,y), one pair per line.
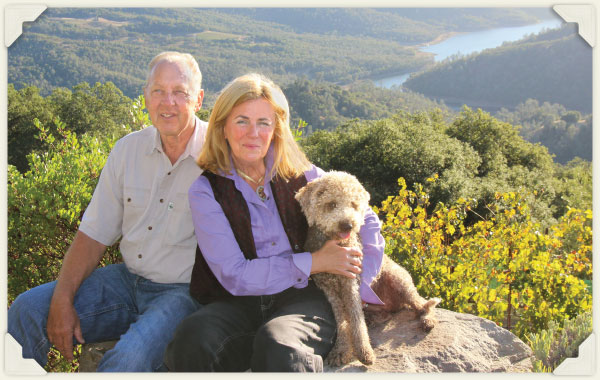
(91,353)
(458,343)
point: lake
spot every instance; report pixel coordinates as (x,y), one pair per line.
(467,43)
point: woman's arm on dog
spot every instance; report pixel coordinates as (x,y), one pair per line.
(373,251)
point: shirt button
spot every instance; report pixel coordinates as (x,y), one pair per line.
(139,256)
(169,173)
(150,227)
(128,199)
(162,200)
(299,280)
(296,247)
(273,243)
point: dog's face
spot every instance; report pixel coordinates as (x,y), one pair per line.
(335,203)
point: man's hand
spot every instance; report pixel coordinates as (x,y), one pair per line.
(81,259)
(63,324)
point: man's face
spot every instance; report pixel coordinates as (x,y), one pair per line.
(170,99)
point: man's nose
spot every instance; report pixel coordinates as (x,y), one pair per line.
(169,98)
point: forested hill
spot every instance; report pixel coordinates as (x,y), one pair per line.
(67,46)
(554,67)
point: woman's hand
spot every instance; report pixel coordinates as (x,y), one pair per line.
(331,258)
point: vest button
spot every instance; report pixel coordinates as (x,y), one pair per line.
(296,247)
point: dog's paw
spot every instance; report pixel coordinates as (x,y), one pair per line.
(337,358)
(366,355)
(428,323)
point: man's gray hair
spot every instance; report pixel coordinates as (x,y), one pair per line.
(188,64)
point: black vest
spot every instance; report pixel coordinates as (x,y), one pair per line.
(204,286)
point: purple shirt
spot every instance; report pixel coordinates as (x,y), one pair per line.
(276,268)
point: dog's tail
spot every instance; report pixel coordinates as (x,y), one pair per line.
(428,320)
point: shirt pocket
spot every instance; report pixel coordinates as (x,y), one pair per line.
(135,203)
(180,227)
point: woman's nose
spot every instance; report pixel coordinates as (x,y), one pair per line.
(253,129)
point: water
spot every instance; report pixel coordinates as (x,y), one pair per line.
(468,43)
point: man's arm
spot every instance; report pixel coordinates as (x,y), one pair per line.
(81,259)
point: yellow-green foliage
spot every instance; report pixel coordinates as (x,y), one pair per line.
(504,268)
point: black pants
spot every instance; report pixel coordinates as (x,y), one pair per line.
(287,332)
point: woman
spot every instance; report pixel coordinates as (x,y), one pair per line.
(261,310)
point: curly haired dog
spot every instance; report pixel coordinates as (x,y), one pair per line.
(335,205)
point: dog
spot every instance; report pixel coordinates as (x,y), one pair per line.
(335,206)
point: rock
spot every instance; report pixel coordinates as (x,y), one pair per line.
(458,343)
(91,353)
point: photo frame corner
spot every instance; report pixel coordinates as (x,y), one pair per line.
(14,363)
(582,14)
(15,15)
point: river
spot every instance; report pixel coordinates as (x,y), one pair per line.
(467,43)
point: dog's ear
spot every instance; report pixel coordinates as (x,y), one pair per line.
(303,195)
(367,196)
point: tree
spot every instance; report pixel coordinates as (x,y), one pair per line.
(99,110)
(409,146)
(23,107)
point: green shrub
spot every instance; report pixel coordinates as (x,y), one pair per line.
(46,203)
(553,345)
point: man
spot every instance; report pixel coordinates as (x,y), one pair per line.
(141,197)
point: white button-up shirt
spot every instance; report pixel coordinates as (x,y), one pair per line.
(143,198)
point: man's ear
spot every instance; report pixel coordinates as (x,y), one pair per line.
(200,99)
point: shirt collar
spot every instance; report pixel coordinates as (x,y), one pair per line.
(193,147)
(269,159)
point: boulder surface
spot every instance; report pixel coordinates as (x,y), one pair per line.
(458,343)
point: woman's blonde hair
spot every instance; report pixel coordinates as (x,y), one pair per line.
(289,160)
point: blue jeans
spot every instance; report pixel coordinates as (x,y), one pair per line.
(112,304)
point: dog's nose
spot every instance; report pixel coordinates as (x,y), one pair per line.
(345,226)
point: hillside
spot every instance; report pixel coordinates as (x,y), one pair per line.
(67,46)
(325,106)
(554,67)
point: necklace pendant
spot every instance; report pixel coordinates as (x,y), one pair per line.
(260,191)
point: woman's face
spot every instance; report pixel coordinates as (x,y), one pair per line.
(249,131)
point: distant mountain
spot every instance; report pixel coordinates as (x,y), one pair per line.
(554,67)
